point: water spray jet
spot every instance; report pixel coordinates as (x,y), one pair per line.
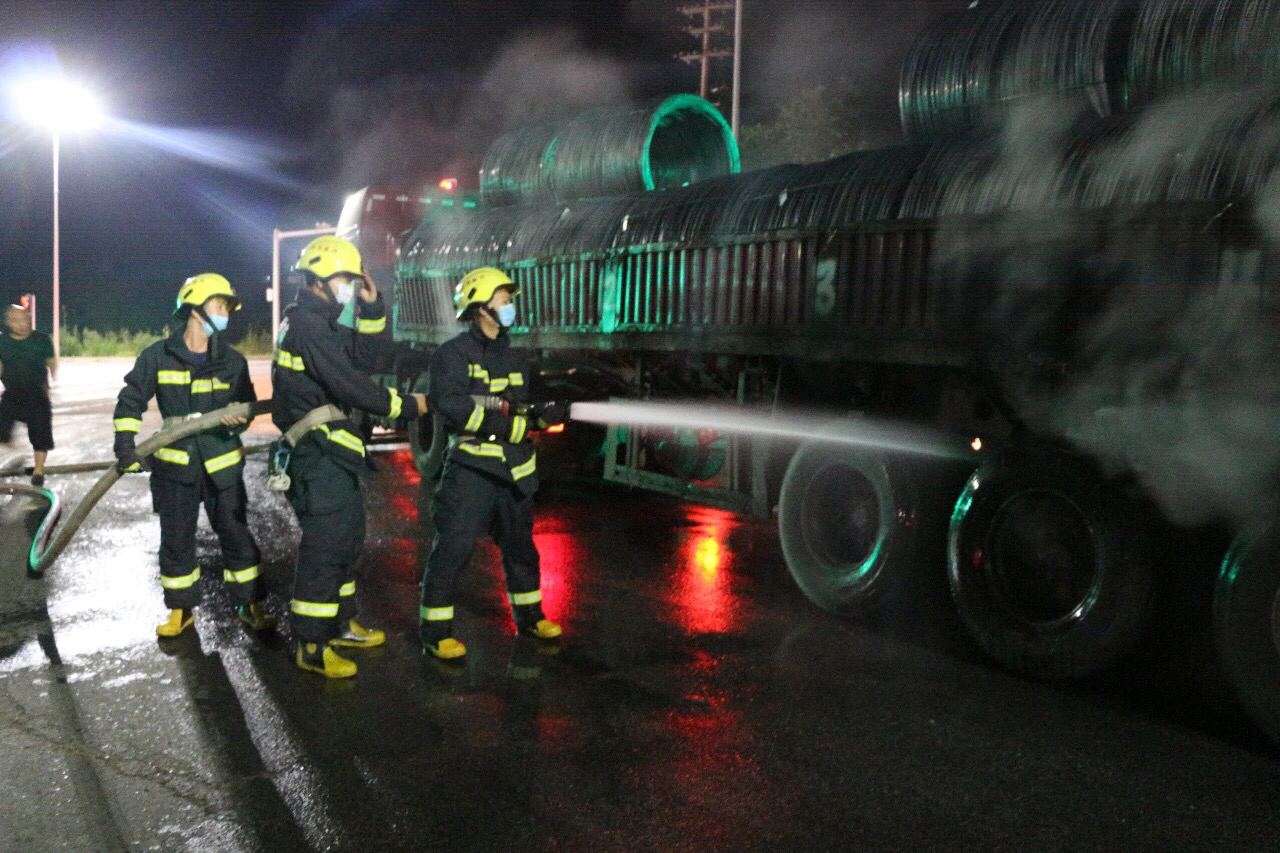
(864,431)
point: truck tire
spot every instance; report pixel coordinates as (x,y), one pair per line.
(427,442)
(846,520)
(1048,566)
(1246,625)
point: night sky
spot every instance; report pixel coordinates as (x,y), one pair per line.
(230,118)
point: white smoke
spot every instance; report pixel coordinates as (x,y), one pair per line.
(412,130)
(1172,377)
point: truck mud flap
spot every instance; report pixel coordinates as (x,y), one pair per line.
(1049,567)
(1246,624)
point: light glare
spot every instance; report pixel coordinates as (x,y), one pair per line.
(58,104)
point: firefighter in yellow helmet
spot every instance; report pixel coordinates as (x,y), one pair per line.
(480,388)
(191,372)
(316,381)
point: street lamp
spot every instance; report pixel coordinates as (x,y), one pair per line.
(60,105)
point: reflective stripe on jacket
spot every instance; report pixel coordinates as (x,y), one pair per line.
(181,386)
(471,364)
(315,364)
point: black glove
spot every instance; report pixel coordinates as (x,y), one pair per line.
(549,413)
(128,461)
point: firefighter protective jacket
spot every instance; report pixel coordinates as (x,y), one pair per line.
(488,441)
(182,386)
(315,365)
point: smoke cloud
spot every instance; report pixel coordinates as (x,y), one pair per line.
(854,50)
(412,130)
(1132,339)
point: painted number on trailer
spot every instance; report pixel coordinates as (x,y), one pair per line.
(824,289)
(609,298)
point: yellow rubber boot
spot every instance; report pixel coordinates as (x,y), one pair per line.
(255,617)
(358,637)
(544,629)
(179,620)
(314,657)
(446,649)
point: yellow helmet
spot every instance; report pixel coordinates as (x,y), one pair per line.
(478,286)
(199,289)
(327,256)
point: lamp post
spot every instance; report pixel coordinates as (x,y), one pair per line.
(60,105)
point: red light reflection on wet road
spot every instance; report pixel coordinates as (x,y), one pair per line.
(562,557)
(700,576)
(401,560)
(401,500)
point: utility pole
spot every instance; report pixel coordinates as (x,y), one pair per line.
(737,65)
(704,56)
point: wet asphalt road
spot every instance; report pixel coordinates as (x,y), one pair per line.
(697,702)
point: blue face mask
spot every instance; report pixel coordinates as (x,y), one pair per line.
(506,315)
(218,321)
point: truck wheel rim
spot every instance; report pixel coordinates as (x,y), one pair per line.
(842,523)
(1042,561)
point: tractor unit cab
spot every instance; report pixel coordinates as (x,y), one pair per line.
(378,219)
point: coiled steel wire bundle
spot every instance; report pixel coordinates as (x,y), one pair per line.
(1202,148)
(865,186)
(514,166)
(946,78)
(861,187)
(1183,44)
(668,143)
(967,71)
(1231,151)
(978,174)
(674,215)
(1114,55)
(500,236)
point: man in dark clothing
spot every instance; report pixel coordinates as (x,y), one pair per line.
(314,375)
(478,386)
(26,362)
(192,372)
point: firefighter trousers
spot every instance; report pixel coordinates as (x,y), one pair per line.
(178,505)
(467,505)
(326,497)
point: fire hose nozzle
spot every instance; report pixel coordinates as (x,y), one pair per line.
(494,403)
(546,413)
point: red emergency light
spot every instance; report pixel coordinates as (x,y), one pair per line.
(449,184)
(555,428)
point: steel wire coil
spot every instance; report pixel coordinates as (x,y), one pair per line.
(662,144)
(967,70)
(864,186)
(1231,151)
(860,187)
(1183,44)
(1208,147)
(1113,55)
(1203,147)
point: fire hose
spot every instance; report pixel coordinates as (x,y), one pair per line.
(45,547)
